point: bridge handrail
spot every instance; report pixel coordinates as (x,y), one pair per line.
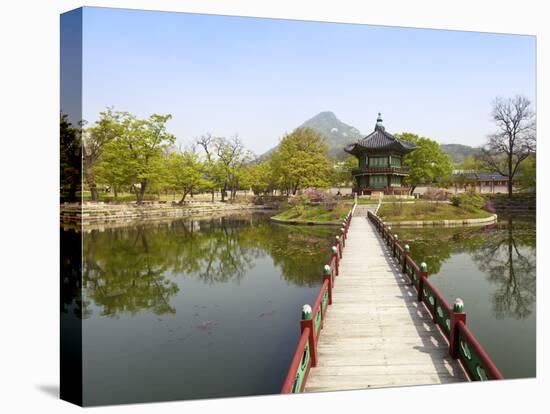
(312,323)
(478,364)
(299,367)
(451,319)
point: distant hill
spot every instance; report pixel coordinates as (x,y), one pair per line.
(336,133)
(459,152)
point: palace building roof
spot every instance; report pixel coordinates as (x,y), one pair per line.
(380,141)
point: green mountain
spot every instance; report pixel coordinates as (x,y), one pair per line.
(336,133)
(459,152)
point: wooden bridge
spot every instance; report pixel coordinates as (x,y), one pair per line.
(379,322)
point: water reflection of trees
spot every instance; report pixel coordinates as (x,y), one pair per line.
(504,251)
(128,269)
(508,259)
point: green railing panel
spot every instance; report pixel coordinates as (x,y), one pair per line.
(471,360)
(398,255)
(443,319)
(413,275)
(317,321)
(428,298)
(302,370)
(324,302)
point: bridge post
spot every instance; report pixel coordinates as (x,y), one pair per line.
(334,251)
(327,275)
(423,276)
(394,247)
(407,254)
(307,322)
(388,235)
(457,315)
(339,245)
(343,238)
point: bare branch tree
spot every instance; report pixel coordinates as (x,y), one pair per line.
(515,138)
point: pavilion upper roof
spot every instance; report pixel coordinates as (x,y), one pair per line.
(380,141)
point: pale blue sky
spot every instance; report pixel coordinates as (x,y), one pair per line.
(261,78)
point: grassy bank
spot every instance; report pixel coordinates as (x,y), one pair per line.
(430,211)
(314,214)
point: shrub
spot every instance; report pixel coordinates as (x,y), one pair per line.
(468,201)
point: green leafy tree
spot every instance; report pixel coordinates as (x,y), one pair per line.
(427,162)
(70,160)
(301,161)
(527,179)
(104,131)
(138,153)
(185,172)
(471,163)
(258,177)
(341,171)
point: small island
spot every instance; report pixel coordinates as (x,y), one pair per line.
(463,209)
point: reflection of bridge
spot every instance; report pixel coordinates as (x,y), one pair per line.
(387,325)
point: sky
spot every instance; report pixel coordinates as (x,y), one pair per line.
(260,78)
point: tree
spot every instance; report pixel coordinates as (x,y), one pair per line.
(185,172)
(515,138)
(341,171)
(139,150)
(258,177)
(212,173)
(427,162)
(527,178)
(105,130)
(471,163)
(232,155)
(301,161)
(70,159)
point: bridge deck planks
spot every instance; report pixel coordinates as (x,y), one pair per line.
(376,334)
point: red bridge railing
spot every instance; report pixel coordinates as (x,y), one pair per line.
(451,320)
(312,320)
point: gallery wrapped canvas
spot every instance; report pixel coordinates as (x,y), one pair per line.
(265,206)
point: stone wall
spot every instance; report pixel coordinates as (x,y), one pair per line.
(95,213)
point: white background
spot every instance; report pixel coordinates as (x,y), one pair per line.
(29,299)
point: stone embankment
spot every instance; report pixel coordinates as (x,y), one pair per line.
(96,213)
(461,222)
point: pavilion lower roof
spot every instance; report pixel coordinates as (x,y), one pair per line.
(380,141)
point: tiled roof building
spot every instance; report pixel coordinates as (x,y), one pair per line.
(380,156)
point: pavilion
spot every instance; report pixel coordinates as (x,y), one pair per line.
(381,168)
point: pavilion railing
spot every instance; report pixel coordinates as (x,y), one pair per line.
(381,170)
(312,320)
(451,320)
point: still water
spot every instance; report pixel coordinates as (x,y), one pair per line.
(208,308)
(493,269)
(195,308)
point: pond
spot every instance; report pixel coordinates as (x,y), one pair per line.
(493,269)
(195,308)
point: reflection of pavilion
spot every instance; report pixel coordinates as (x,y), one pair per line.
(380,156)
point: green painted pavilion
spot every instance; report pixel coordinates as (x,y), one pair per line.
(381,168)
